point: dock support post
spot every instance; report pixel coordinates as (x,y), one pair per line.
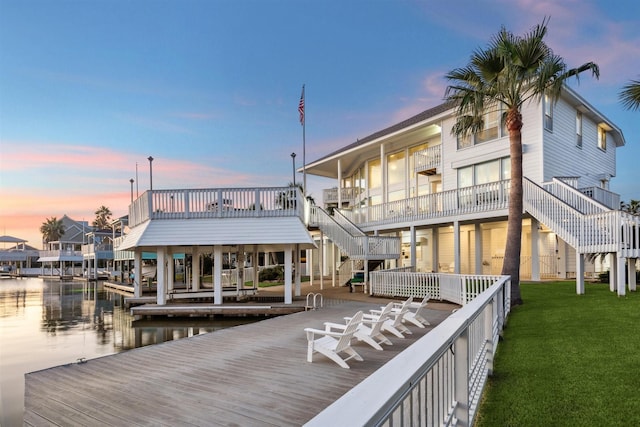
(217,275)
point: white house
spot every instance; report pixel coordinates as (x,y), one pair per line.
(446,198)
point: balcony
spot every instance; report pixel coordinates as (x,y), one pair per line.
(489,197)
(216,203)
(347,195)
(606,197)
(428,161)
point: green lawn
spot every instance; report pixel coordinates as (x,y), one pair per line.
(567,360)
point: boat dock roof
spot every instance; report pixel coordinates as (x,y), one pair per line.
(254,374)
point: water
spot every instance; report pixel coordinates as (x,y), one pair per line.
(49,323)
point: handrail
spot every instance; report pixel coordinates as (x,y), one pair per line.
(357,247)
(436,381)
(574,197)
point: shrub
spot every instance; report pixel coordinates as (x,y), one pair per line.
(271,273)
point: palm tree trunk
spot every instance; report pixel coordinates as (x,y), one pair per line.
(511,263)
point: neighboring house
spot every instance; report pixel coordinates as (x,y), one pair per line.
(18,257)
(446,198)
(64,257)
(97,254)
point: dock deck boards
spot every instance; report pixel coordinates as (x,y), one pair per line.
(249,375)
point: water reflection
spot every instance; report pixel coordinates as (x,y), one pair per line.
(49,323)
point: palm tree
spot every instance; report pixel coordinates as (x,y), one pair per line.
(52,230)
(633,207)
(630,95)
(103,217)
(511,71)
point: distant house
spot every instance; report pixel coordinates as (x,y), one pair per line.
(64,256)
(16,255)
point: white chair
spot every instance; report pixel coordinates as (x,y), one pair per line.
(332,343)
(393,323)
(370,331)
(416,312)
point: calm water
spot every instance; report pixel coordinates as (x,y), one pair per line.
(49,323)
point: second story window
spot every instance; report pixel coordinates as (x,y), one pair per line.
(492,129)
(548,113)
(602,138)
(579,129)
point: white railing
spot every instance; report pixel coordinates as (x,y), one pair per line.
(356,247)
(606,197)
(573,197)
(216,203)
(347,224)
(598,231)
(437,381)
(478,198)
(456,288)
(429,158)
(347,194)
(60,253)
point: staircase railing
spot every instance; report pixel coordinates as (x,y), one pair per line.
(574,197)
(356,247)
(596,231)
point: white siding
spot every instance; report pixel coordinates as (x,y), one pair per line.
(562,157)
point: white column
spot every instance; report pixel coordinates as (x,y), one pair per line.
(339,183)
(434,250)
(456,247)
(296,258)
(613,272)
(333,264)
(161,293)
(535,252)
(579,273)
(217,275)
(171,267)
(240,268)
(384,172)
(137,277)
(195,268)
(412,247)
(631,269)
(478,247)
(254,264)
(622,289)
(310,266)
(287,273)
(321,261)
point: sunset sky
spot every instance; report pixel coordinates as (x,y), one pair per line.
(210,89)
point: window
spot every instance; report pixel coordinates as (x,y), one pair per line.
(602,138)
(395,168)
(579,129)
(548,113)
(493,128)
(375,174)
(484,173)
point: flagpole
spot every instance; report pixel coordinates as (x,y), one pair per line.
(304,160)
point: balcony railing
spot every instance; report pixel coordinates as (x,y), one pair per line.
(349,194)
(606,197)
(479,198)
(429,158)
(216,203)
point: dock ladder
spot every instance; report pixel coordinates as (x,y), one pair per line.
(312,301)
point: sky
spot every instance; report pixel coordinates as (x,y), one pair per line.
(210,88)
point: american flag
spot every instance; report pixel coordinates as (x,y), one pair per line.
(301,107)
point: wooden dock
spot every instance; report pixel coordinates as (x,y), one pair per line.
(248,375)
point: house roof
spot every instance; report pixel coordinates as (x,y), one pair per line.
(273,233)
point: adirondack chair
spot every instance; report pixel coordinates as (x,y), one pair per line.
(332,343)
(416,312)
(370,331)
(393,323)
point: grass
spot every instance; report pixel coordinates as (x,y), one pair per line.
(567,360)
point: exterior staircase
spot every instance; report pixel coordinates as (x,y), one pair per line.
(585,224)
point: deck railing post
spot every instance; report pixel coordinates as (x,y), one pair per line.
(461,377)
